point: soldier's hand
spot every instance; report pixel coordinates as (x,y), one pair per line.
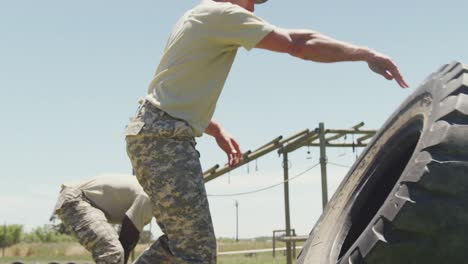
(231,147)
(383,65)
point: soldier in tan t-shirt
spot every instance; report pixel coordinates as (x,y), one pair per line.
(179,106)
(87,209)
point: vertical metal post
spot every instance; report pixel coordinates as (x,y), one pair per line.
(286,205)
(323,164)
(294,243)
(237,221)
(274,243)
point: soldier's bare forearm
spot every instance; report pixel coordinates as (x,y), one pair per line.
(314,46)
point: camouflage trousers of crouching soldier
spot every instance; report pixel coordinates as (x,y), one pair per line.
(90,226)
(166,163)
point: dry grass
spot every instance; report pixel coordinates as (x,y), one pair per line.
(72,251)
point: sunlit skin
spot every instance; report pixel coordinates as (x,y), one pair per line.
(225,140)
(312,46)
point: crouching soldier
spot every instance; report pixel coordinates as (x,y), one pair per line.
(88,209)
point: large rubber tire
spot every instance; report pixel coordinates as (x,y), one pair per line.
(405,200)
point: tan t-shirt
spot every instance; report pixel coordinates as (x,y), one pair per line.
(117,196)
(198,57)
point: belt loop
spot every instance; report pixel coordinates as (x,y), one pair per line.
(141,103)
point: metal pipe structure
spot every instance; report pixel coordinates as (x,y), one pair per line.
(286,206)
(237,221)
(273,142)
(249,156)
(323,164)
(320,137)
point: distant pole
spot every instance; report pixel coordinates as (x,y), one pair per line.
(237,221)
(323,164)
(274,243)
(286,205)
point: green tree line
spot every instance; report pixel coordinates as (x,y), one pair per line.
(14,234)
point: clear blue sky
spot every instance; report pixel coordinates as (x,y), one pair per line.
(71,73)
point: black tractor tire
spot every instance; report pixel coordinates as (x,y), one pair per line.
(405,200)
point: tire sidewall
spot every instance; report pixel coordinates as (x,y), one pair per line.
(331,228)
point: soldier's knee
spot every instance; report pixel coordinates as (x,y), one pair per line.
(119,256)
(114,255)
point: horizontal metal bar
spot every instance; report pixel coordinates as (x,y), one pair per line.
(365,137)
(212,169)
(293,238)
(337,136)
(301,142)
(355,132)
(356,127)
(295,136)
(338,145)
(274,141)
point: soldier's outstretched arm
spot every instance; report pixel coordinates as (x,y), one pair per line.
(314,46)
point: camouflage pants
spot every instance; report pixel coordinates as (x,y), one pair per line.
(90,226)
(166,163)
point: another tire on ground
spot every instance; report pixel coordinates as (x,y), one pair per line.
(406,199)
